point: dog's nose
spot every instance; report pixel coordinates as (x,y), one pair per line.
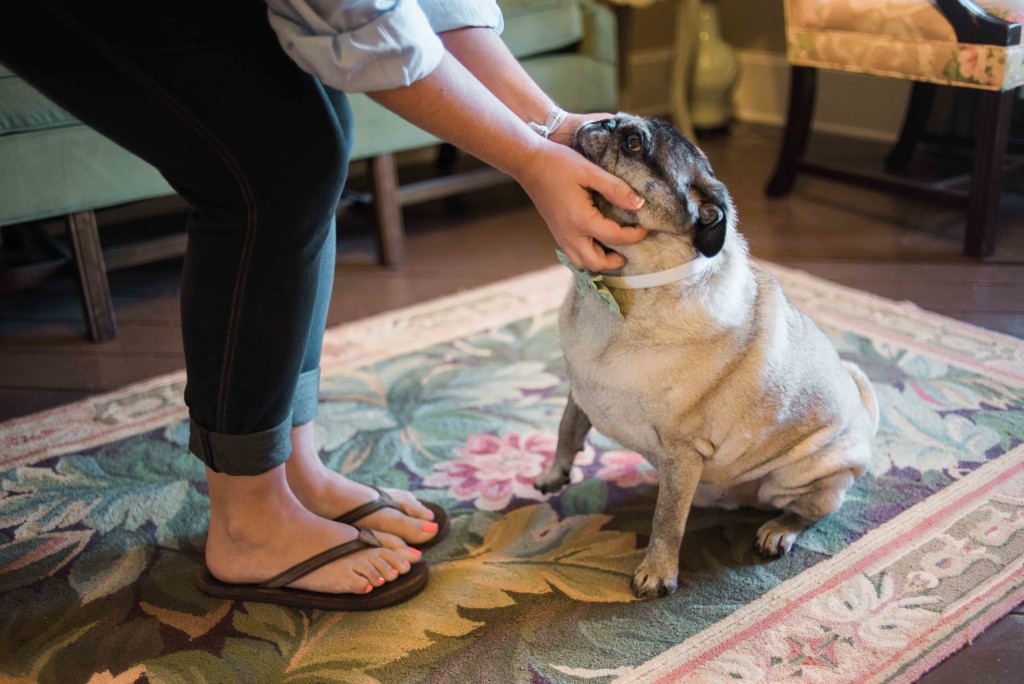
(710,214)
(609,124)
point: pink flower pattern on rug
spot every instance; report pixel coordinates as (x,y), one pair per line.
(492,470)
(627,469)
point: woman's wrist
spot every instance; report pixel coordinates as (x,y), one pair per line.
(554,119)
(532,159)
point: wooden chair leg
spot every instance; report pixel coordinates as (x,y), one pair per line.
(992,133)
(92,276)
(798,126)
(388,209)
(447,160)
(447,157)
(922,96)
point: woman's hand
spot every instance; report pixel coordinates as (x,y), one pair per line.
(566,133)
(559,181)
(455,106)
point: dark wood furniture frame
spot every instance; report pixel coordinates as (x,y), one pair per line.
(981,202)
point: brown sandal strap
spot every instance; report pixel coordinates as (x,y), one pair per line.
(360,512)
(366,540)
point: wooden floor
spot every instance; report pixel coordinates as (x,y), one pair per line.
(896,248)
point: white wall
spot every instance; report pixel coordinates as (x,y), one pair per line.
(854,105)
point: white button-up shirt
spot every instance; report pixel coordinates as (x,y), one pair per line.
(366,45)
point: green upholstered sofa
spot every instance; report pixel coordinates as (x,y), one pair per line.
(53,166)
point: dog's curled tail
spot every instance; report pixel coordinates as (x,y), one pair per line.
(867,392)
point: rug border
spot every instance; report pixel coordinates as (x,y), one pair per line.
(901,305)
(861,557)
(1011,368)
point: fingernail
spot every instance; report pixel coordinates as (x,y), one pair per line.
(638,201)
(430,527)
(369,588)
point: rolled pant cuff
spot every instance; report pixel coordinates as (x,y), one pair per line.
(251,454)
(306,398)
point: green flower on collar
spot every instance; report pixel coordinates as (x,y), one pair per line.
(587,281)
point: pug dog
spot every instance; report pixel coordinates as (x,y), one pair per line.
(706,369)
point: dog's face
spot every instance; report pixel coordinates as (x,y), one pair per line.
(682,195)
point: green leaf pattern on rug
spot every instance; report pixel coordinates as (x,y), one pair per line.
(113,563)
(416,410)
(148,483)
(529,551)
(25,561)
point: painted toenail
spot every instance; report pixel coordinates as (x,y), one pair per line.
(380,580)
(430,527)
(393,571)
(369,588)
(417,552)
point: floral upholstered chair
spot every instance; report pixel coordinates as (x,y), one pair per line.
(943,42)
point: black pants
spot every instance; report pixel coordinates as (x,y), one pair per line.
(202,91)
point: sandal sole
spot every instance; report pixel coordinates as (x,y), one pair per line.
(390,594)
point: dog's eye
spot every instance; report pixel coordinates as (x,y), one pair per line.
(633,143)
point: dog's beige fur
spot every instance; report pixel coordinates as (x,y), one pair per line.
(734,395)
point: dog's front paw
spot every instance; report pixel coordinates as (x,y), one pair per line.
(648,582)
(775,538)
(551,480)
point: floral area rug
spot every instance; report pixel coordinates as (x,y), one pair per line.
(103,511)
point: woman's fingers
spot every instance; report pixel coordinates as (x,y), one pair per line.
(610,233)
(614,189)
(586,253)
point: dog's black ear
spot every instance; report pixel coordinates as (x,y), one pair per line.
(709,232)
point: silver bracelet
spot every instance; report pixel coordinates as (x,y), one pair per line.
(555,119)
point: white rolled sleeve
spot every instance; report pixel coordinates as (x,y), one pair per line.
(360,46)
(446,15)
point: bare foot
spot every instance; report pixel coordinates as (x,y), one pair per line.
(330,495)
(258,529)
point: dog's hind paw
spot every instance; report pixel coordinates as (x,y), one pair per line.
(551,480)
(646,584)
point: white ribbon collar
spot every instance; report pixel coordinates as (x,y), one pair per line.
(672,275)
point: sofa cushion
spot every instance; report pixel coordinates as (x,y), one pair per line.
(536,26)
(23,108)
(71,168)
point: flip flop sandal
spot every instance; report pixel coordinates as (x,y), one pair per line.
(386,501)
(275,591)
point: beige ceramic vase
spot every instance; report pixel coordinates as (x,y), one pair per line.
(714,74)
